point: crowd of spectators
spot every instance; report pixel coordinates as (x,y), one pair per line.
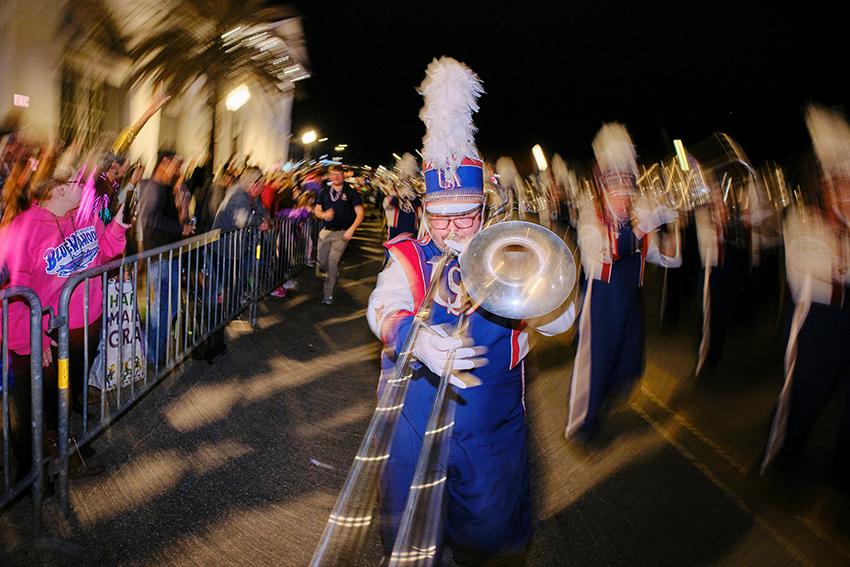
(58,217)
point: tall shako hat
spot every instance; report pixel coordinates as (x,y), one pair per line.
(407,171)
(452,167)
(831,140)
(616,159)
(507,172)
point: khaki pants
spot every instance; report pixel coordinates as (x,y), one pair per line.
(331,247)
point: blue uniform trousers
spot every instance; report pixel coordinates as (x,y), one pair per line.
(616,347)
(822,367)
(488,495)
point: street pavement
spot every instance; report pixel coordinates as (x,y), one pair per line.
(240,462)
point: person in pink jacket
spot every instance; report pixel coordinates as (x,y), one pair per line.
(41,247)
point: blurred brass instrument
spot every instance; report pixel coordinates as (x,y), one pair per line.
(515,268)
(775,185)
(730,171)
(678,184)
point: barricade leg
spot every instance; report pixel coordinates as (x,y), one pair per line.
(37,421)
(63,381)
(27,428)
(255,288)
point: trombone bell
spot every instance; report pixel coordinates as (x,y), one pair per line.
(518,270)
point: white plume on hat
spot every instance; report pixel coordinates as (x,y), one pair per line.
(614,149)
(564,176)
(831,139)
(507,172)
(407,167)
(451,91)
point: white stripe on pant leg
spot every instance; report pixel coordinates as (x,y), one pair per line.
(780,418)
(580,388)
(706,321)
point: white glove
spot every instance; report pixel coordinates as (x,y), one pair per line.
(650,219)
(433,347)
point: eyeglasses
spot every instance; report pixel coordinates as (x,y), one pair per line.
(459,222)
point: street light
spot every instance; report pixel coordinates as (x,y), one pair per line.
(307,139)
(235,100)
(539,158)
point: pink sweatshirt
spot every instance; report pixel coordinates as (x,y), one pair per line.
(41,252)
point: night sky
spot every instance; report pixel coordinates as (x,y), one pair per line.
(554,71)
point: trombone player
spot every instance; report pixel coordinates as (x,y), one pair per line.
(487,512)
(617,236)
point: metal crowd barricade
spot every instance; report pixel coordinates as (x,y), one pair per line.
(35,478)
(157,307)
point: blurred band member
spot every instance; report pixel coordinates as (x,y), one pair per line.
(405,204)
(390,210)
(616,238)
(728,250)
(403,212)
(817,256)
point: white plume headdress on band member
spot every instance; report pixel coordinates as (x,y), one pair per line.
(451,91)
(406,170)
(407,167)
(564,176)
(614,150)
(831,140)
(507,172)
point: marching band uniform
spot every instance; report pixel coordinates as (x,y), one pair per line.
(488,501)
(728,242)
(405,207)
(406,216)
(817,255)
(390,213)
(609,357)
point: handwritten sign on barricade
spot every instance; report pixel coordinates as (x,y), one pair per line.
(124,344)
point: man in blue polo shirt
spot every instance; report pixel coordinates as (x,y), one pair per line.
(341,209)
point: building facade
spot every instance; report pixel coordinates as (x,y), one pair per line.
(65,91)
